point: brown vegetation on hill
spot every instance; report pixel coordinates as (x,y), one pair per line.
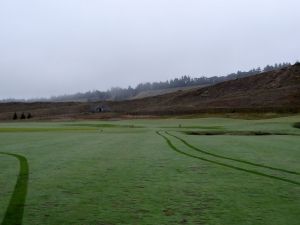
(277,91)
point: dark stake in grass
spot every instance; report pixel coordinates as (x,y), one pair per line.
(15,209)
(232,159)
(173,147)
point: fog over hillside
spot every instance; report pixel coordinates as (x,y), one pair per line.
(151,88)
(58,47)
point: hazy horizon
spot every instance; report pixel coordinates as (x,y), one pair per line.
(64,47)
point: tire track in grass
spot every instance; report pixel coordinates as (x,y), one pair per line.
(233,159)
(173,147)
(15,210)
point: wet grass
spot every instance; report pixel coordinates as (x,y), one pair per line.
(230,158)
(172,146)
(104,125)
(237,133)
(15,208)
(296,125)
(123,173)
(46,129)
(195,127)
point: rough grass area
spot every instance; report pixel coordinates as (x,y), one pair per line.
(15,208)
(41,129)
(103,125)
(296,125)
(237,133)
(151,172)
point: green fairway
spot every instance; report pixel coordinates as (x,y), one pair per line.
(214,171)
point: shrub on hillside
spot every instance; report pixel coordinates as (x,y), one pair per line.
(23,116)
(15,116)
(29,116)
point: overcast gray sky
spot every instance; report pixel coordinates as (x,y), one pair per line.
(65,46)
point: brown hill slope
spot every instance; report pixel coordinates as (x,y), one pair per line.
(277,89)
(151,93)
(272,91)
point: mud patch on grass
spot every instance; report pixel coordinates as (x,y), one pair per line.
(168,212)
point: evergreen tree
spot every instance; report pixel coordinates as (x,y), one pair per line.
(29,116)
(23,116)
(15,116)
(117,93)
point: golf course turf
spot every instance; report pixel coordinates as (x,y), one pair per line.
(15,209)
(151,172)
(237,160)
(228,165)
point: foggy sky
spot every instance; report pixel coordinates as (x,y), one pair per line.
(66,46)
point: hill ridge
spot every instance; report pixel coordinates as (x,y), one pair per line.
(277,90)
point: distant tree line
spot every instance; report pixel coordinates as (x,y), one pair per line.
(117,93)
(23,116)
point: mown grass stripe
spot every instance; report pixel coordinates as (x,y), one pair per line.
(15,210)
(224,164)
(42,129)
(233,159)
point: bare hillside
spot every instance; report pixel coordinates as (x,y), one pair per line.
(271,91)
(275,89)
(151,93)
